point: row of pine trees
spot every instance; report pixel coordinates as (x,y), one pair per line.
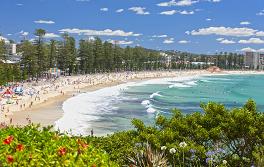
(97,56)
(92,56)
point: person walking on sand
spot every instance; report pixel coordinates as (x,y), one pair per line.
(92,132)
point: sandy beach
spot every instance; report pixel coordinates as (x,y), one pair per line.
(45,106)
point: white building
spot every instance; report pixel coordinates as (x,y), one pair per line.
(4,39)
(254,60)
(11,49)
(167,58)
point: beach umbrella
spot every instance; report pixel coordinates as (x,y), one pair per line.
(8,93)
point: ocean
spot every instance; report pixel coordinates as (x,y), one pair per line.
(111,109)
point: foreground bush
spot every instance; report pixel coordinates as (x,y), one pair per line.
(216,137)
(30,146)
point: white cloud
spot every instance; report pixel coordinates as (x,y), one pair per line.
(183,2)
(44,22)
(187,32)
(245,23)
(9,34)
(226,41)
(184,12)
(214,0)
(178,3)
(160,36)
(172,12)
(225,31)
(220,39)
(104,9)
(252,41)
(183,42)
(260,34)
(121,42)
(51,35)
(19,4)
(107,32)
(208,19)
(119,10)
(169,12)
(261,13)
(168,41)
(23,33)
(248,49)
(139,10)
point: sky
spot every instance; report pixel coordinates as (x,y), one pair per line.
(198,26)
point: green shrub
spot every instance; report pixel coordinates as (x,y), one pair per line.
(217,137)
(30,146)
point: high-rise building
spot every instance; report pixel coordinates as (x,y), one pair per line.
(11,48)
(254,60)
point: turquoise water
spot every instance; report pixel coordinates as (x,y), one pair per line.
(111,109)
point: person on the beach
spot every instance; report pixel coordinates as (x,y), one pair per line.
(1,104)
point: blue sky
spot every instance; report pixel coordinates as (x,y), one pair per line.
(199,26)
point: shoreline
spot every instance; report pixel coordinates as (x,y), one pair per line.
(48,110)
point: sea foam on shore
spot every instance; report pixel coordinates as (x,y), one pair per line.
(81,110)
(87,108)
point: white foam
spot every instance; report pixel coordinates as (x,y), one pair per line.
(205,80)
(179,85)
(192,83)
(168,81)
(151,110)
(81,110)
(87,107)
(145,102)
(154,94)
(219,79)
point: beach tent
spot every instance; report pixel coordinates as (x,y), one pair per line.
(19,90)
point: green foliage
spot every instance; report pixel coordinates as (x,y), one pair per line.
(218,136)
(32,146)
(2,50)
(147,157)
(40,52)
(29,59)
(9,72)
